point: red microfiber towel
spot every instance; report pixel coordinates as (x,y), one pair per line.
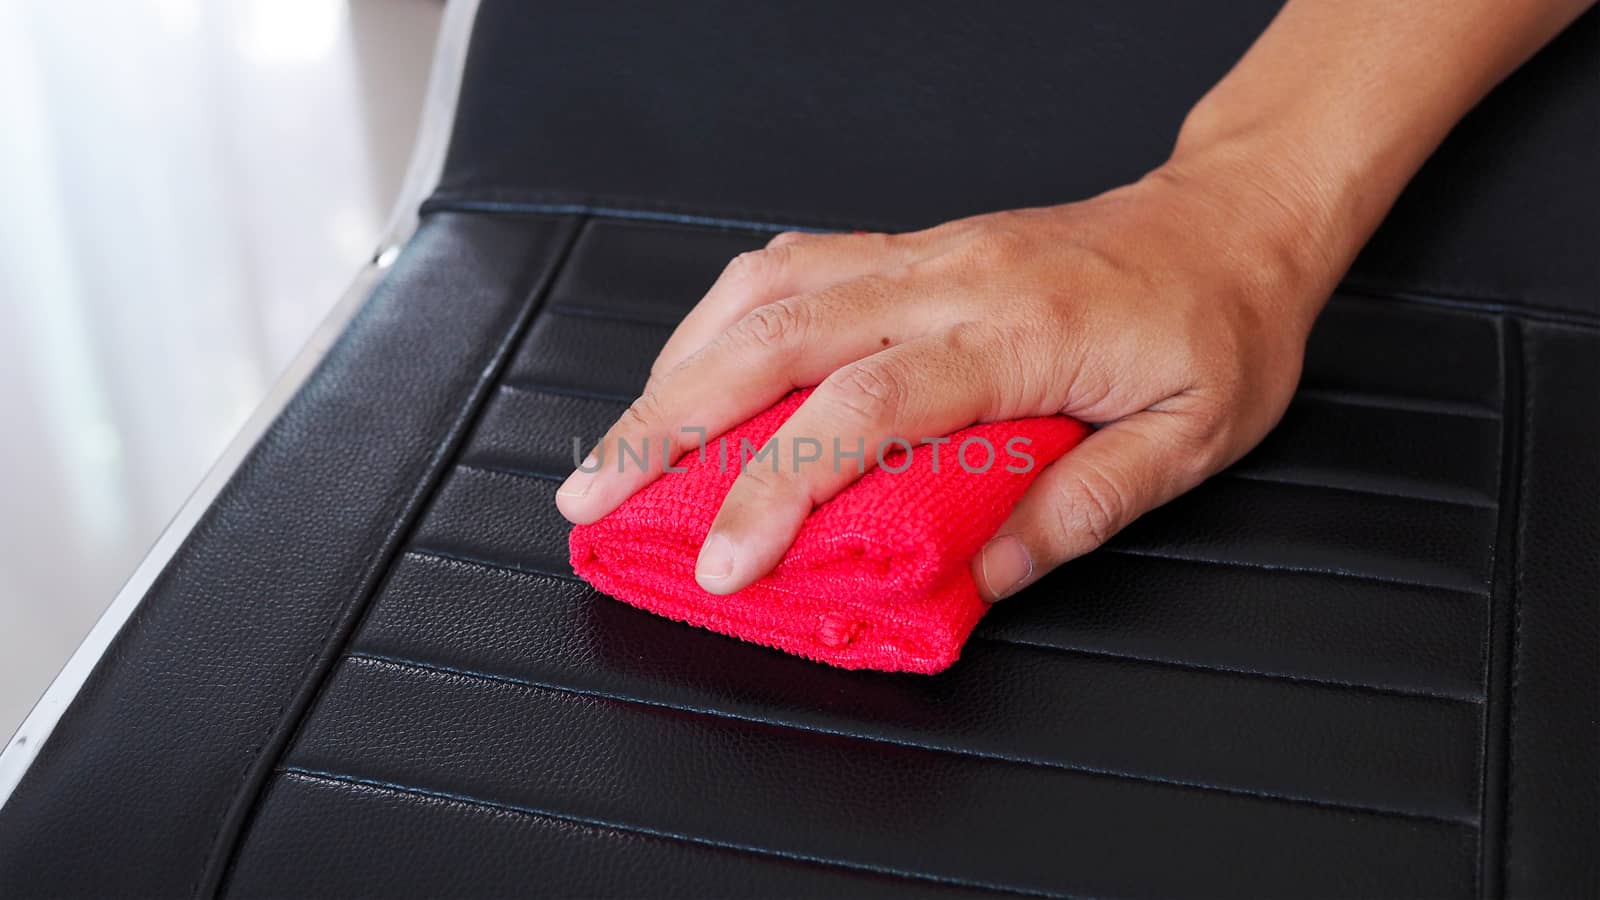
(878,576)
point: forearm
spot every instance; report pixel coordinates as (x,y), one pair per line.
(1339,102)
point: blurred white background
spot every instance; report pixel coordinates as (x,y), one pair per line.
(186,186)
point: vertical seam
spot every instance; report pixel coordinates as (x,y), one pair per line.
(1504,623)
(1512,710)
(313,673)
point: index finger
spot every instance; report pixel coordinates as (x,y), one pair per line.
(793,263)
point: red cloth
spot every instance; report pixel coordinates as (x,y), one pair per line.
(878,576)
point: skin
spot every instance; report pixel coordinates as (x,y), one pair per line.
(1172,313)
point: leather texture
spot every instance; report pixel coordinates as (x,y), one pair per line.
(879,114)
(1359,663)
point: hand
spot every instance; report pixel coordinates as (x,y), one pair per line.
(1172,313)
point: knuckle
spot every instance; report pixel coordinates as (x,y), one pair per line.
(1094,506)
(773,325)
(1053,312)
(784,238)
(1216,429)
(645,413)
(758,266)
(997,246)
(759,482)
(1097,262)
(1021,376)
(968,338)
(868,391)
(1207,430)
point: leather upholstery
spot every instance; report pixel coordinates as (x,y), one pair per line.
(1361,662)
(879,114)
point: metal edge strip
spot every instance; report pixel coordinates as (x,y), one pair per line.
(422,176)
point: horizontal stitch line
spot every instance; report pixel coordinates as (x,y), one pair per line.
(611,212)
(1307,680)
(511,472)
(1297,570)
(516,569)
(711,712)
(1226,473)
(1083,651)
(447,201)
(1305,570)
(1260,478)
(677,836)
(527,387)
(1480,305)
(607,315)
(1398,403)
(1372,400)
(1344,398)
(1230,475)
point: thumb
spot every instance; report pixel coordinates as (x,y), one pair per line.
(1116,475)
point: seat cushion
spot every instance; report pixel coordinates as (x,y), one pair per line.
(1275,685)
(1360,662)
(1297,679)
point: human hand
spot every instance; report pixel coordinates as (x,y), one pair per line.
(1172,313)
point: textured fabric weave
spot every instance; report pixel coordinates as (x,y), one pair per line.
(878,576)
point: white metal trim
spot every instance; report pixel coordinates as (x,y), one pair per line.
(422,175)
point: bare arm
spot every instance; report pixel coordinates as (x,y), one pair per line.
(1172,312)
(1338,104)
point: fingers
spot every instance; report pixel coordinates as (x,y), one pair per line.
(773,349)
(793,263)
(1116,475)
(927,388)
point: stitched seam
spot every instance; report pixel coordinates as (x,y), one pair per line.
(202,877)
(574,311)
(537,475)
(1304,680)
(511,472)
(1336,396)
(1227,475)
(495,199)
(1414,403)
(1511,744)
(675,836)
(491,199)
(1475,303)
(1515,595)
(713,713)
(218,859)
(518,569)
(1299,570)
(1411,403)
(527,387)
(430,555)
(1500,648)
(520,386)
(1362,491)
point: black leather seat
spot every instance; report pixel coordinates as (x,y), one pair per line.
(1361,662)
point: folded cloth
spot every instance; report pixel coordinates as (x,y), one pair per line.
(878,576)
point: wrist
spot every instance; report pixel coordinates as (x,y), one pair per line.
(1271,214)
(1331,168)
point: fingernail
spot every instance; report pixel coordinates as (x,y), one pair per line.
(1005,564)
(579,482)
(716,559)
